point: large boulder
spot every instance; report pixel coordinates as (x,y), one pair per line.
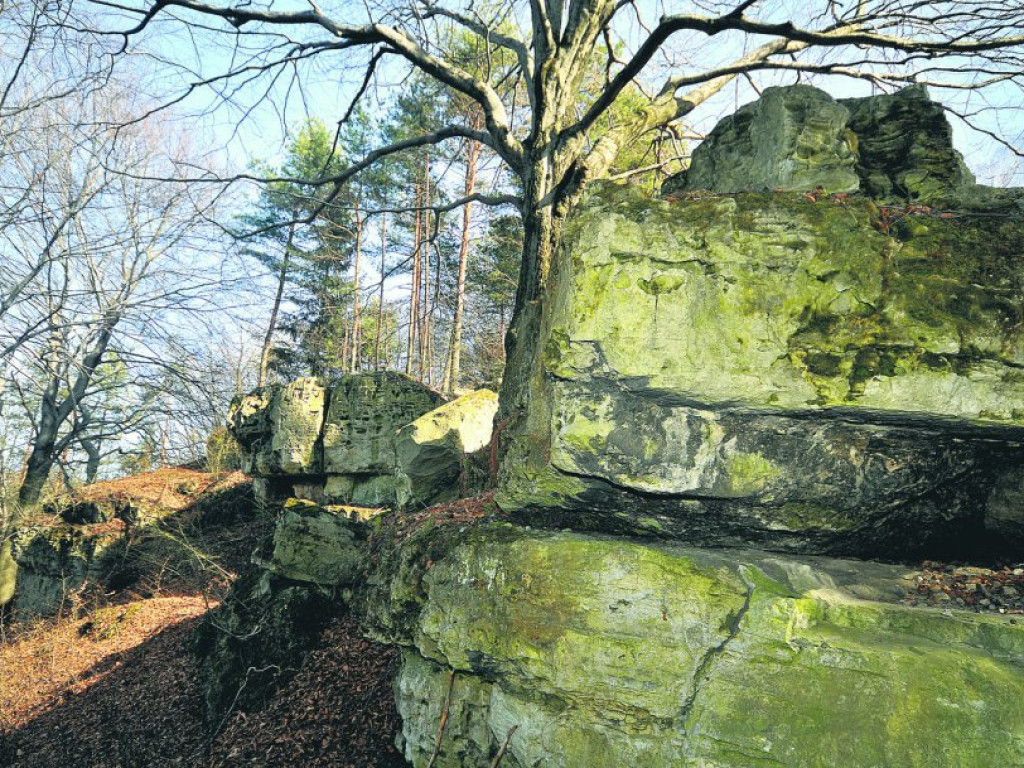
(330,443)
(893,148)
(764,368)
(364,413)
(595,652)
(364,416)
(905,148)
(433,451)
(319,545)
(793,138)
(257,639)
(279,428)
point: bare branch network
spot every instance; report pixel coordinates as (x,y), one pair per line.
(967,45)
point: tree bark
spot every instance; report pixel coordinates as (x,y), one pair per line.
(455,354)
(414,291)
(355,290)
(425,243)
(268,340)
(92,464)
(380,294)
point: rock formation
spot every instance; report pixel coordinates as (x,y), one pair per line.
(894,148)
(791,375)
(610,652)
(336,442)
(433,451)
(813,375)
(370,440)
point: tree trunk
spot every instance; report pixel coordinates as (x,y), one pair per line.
(380,295)
(54,413)
(414,291)
(355,290)
(544,210)
(425,243)
(92,463)
(268,340)
(455,355)
(43,453)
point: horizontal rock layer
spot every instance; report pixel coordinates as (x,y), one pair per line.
(606,652)
(765,368)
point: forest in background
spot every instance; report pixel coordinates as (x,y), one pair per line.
(134,306)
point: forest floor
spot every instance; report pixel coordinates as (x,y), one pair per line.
(115,684)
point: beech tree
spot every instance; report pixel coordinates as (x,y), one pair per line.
(551,142)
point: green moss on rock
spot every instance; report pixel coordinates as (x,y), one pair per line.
(606,652)
(864,366)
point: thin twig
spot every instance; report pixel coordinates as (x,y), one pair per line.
(444,718)
(504,747)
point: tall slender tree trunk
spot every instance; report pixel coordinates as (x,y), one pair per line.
(380,294)
(355,290)
(425,244)
(455,354)
(414,291)
(268,339)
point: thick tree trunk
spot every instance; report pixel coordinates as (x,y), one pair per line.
(43,453)
(268,340)
(544,211)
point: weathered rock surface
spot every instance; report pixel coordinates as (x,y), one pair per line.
(303,575)
(319,545)
(793,138)
(891,148)
(905,148)
(604,652)
(279,428)
(329,442)
(1004,510)
(55,562)
(768,369)
(433,451)
(363,416)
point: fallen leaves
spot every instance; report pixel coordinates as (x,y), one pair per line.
(984,590)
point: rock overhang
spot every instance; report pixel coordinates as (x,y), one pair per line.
(808,372)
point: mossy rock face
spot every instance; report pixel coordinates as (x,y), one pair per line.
(279,428)
(364,414)
(319,545)
(433,450)
(56,562)
(770,369)
(335,440)
(605,652)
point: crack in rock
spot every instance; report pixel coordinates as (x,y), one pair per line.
(704,668)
